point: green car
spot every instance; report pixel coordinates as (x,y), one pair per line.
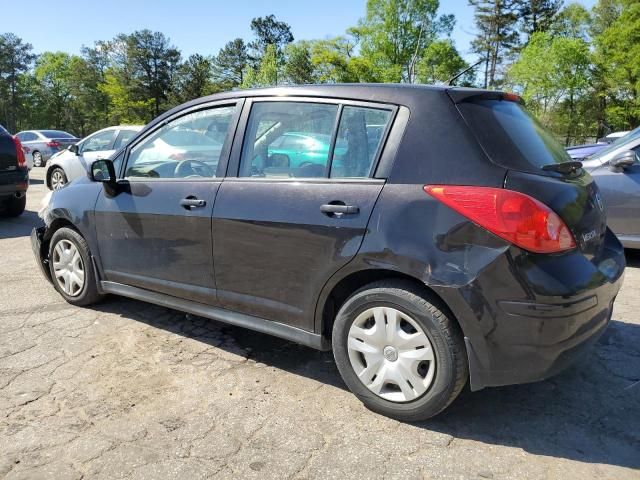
(296,149)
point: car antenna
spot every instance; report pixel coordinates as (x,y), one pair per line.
(458,75)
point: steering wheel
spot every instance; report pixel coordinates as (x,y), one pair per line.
(180,170)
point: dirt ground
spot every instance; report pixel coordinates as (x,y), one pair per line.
(130,390)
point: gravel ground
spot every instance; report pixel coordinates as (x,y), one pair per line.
(130,390)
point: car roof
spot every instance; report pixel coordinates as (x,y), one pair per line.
(396,93)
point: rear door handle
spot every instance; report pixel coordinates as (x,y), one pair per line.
(192,202)
(332,209)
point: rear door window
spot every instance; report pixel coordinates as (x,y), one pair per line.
(358,142)
(510,136)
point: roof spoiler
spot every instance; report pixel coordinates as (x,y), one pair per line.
(459,95)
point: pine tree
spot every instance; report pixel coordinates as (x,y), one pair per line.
(537,15)
(496,21)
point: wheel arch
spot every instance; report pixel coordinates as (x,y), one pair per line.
(334,296)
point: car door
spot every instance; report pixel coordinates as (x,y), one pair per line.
(280,229)
(155,233)
(620,190)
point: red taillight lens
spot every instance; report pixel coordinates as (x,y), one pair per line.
(22,162)
(53,144)
(514,216)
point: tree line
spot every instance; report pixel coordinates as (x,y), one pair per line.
(577,69)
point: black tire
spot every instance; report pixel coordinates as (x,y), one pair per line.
(57,171)
(451,372)
(37,159)
(89,292)
(14,207)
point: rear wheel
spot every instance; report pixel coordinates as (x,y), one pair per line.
(13,207)
(71,268)
(37,159)
(57,179)
(398,352)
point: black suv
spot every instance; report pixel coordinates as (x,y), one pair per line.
(14,175)
(427,235)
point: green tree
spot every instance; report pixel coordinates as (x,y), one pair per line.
(154,61)
(298,68)
(572,21)
(537,15)
(268,31)
(192,80)
(394,34)
(266,75)
(618,49)
(230,64)
(53,74)
(496,22)
(440,62)
(16,57)
(553,75)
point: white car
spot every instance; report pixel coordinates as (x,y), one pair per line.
(74,162)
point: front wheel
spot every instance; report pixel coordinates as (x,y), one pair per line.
(57,179)
(71,268)
(399,353)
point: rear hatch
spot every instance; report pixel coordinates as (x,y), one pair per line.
(514,140)
(8,158)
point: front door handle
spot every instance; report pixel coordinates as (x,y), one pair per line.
(339,209)
(192,202)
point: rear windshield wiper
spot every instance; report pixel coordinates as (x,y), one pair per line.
(564,167)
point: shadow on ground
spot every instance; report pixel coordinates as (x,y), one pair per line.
(19,226)
(588,413)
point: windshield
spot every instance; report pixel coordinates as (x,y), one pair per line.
(511,137)
(628,138)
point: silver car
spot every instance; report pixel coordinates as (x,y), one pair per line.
(76,159)
(42,144)
(616,170)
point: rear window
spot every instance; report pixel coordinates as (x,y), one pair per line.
(510,136)
(3,130)
(56,134)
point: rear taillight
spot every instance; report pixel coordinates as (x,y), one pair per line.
(514,216)
(22,162)
(53,144)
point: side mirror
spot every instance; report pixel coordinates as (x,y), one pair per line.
(74,148)
(624,160)
(102,170)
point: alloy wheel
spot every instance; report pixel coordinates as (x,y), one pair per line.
(57,179)
(68,267)
(391,354)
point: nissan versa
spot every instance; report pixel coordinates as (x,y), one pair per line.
(434,235)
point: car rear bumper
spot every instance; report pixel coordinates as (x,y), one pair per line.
(14,182)
(527,317)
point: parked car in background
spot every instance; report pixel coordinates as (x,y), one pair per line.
(69,164)
(44,143)
(613,136)
(14,175)
(580,152)
(616,169)
(452,242)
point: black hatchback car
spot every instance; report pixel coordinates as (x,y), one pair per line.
(427,235)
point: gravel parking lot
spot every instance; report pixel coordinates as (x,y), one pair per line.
(130,390)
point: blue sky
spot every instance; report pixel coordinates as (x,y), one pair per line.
(195,26)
